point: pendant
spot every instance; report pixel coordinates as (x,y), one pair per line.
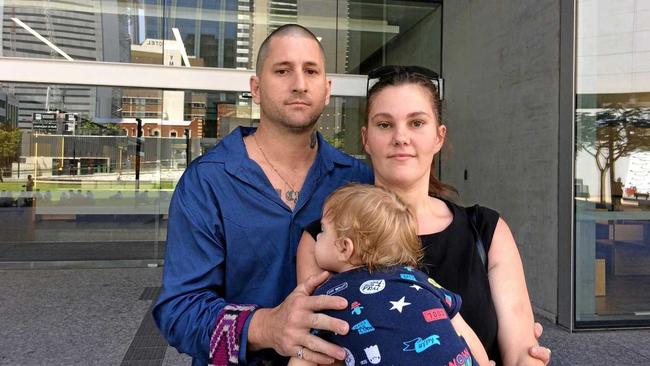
(291,195)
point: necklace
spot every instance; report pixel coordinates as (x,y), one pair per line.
(291,195)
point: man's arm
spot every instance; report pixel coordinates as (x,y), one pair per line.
(191,312)
(190,303)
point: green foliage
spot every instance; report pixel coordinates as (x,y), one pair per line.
(337,139)
(610,134)
(90,127)
(10,139)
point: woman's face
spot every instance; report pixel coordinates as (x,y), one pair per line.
(402,136)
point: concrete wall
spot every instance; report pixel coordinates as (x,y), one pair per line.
(501,68)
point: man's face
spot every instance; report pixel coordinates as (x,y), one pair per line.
(292,90)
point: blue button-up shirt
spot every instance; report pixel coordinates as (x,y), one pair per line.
(232,240)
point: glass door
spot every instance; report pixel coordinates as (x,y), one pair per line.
(612,149)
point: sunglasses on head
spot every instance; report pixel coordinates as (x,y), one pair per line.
(388,71)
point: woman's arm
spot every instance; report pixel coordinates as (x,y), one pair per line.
(306,265)
(475,345)
(510,296)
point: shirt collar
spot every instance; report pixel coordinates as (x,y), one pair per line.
(232,151)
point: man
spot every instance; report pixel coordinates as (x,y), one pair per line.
(237,215)
(29,186)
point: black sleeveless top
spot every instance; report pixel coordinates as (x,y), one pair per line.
(451,258)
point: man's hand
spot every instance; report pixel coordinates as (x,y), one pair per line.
(286,327)
(541,353)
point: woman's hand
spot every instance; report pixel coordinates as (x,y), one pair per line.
(286,328)
(541,353)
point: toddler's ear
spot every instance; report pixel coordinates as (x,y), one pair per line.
(345,248)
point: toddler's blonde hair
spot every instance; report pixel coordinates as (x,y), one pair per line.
(382,228)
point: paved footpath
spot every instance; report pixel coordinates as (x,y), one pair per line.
(101,317)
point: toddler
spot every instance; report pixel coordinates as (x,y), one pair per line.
(397,314)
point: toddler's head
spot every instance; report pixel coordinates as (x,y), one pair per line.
(364,225)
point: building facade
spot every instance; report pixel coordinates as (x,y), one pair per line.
(8,109)
(546,102)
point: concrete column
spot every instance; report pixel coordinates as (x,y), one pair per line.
(501,68)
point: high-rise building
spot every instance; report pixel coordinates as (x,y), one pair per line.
(75,29)
(8,109)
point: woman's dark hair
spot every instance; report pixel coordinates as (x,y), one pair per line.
(403,75)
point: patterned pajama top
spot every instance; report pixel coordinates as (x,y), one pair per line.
(397,316)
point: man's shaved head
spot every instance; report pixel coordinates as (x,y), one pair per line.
(294,30)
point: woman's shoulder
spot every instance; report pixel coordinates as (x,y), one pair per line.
(483,218)
(482,212)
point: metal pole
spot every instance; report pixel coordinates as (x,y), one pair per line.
(119,163)
(188,149)
(138,153)
(62,150)
(35,159)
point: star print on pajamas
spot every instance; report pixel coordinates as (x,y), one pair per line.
(399,305)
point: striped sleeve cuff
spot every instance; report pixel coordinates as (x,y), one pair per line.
(226,338)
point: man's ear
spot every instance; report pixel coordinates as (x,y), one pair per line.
(345,248)
(329,91)
(255,88)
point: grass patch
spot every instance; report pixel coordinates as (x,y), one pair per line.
(89,186)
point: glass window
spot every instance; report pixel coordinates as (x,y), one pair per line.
(612,149)
(94,196)
(74,178)
(375,33)
(357,36)
(75,187)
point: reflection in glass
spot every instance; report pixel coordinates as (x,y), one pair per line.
(371,34)
(357,35)
(101,193)
(73,187)
(612,228)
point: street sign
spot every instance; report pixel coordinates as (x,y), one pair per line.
(44,122)
(70,123)
(44,116)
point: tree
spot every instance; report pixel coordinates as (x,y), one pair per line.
(610,134)
(90,127)
(336,140)
(10,139)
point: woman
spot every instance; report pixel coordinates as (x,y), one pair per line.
(402,134)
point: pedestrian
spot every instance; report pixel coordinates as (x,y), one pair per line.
(29,186)
(228,292)
(617,194)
